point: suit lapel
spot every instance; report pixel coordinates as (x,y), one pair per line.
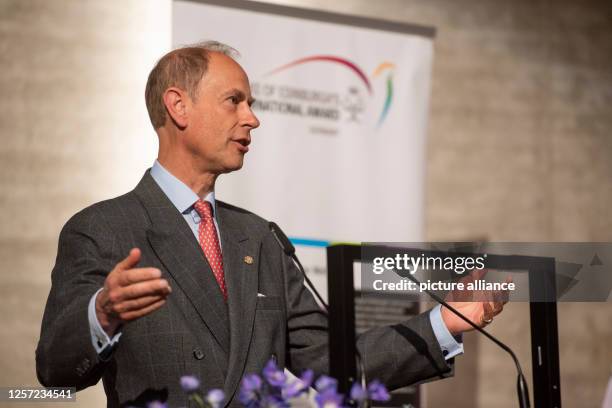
(175,245)
(241,275)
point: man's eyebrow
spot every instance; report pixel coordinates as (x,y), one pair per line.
(235,91)
(240,94)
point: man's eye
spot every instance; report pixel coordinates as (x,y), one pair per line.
(234,99)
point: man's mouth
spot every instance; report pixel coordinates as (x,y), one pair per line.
(243,144)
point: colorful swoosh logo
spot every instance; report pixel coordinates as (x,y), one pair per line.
(382,68)
(385,66)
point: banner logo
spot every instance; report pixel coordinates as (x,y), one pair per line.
(326,104)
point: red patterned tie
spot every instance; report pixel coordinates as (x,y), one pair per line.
(209,241)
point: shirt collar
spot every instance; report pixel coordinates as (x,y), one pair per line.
(179,194)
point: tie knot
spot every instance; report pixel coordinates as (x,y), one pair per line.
(203,208)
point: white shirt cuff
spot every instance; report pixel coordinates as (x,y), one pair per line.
(451,346)
(99,338)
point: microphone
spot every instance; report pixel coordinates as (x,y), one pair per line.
(289,250)
(521,384)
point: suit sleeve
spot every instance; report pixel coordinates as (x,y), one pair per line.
(397,355)
(65,355)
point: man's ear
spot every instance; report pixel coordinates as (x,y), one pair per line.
(176,101)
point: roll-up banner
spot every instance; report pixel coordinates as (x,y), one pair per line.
(343,105)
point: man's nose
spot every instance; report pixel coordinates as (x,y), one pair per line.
(250,119)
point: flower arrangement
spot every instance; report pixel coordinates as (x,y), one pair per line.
(273,389)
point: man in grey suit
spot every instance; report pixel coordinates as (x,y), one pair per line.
(166,281)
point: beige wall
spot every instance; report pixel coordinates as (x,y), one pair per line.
(74,131)
(519,149)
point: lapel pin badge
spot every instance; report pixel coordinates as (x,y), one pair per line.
(248,260)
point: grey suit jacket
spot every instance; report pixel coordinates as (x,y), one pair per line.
(196,332)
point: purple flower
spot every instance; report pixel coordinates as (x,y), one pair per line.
(324,383)
(300,385)
(250,388)
(378,392)
(156,404)
(189,383)
(329,399)
(215,398)
(273,375)
(358,394)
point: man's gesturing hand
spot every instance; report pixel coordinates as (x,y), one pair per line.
(130,293)
(477,305)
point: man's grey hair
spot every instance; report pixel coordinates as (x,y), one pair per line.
(183,68)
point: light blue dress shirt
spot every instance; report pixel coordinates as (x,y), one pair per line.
(451,346)
(183,199)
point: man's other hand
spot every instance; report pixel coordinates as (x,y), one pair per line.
(130,293)
(477,305)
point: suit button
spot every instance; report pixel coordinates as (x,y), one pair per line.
(198,354)
(85,364)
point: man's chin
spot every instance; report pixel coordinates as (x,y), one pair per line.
(233,167)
